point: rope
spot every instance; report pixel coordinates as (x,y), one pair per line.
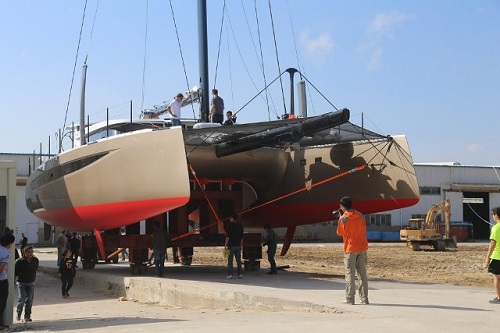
(193,231)
(145,54)
(180,51)
(220,41)
(219,222)
(230,70)
(276,52)
(306,188)
(262,60)
(74,69)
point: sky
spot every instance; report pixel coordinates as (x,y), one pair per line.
(427,69)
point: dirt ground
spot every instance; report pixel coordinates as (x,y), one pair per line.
(394,261)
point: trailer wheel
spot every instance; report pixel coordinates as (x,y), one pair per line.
(415,246)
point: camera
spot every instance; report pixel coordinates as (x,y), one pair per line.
(337,214)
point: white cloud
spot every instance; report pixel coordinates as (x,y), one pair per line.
(475,148)
(317,48)
(380,28)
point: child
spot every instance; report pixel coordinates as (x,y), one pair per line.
(67,272)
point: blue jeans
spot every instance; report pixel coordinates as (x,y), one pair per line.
(176,122)
(159,262)
(25,294)
(234,251)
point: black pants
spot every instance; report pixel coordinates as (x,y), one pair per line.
(67,283)
(218,118)
(4,294)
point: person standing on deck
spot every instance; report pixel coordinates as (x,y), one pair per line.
(216,108)
(174,108)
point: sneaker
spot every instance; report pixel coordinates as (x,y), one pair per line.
(495,300)
(64,296)
(348,302)
(230,276)
(27,320)
(365,302)
(67,295)
(240,276)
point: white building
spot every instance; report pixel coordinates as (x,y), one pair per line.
(472,190)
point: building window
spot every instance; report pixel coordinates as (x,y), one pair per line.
(378,220)
(430,190)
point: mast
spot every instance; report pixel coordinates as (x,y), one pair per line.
(203,58)
(291,71)
(82,105)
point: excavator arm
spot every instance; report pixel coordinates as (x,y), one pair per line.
(442,207)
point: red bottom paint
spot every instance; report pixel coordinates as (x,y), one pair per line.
(109,216)
(308,213)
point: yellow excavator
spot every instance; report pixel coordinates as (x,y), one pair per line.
(426,231)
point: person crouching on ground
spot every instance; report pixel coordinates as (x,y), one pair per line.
(67,272)
(25,272)
(492,261)
(352,227)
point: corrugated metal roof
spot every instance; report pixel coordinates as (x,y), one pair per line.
(23,161)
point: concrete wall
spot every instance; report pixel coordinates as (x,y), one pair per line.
(8,189)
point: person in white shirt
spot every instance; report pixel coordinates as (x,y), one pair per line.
(174,108)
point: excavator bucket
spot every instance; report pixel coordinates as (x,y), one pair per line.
(451,242)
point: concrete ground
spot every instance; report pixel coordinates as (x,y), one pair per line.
(201,299)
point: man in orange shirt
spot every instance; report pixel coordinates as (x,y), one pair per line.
(352,227)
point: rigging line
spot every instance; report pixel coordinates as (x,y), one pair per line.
(180,52)
(294,39)
(241,56)
(92,30)
(74,69)
(220,41)
(402,157)
(261,57)
(472,209)
(319,92)
(145,55)
(262,61)
(276,52)
(250,33)
(258,94)
(306,188)
(230,69)
(194,231)
(301,68)
(219,222)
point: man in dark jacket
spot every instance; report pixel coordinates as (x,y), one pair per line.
(234,242)
(161,240)
(272,245)
(25,272)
